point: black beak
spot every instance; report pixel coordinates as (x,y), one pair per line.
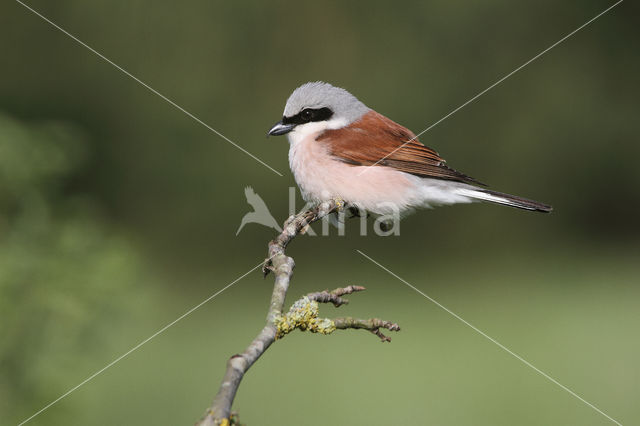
(280,129)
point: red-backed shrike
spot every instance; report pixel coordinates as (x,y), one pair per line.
(340,148)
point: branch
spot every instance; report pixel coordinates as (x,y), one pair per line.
(334,296)
(302,315)
(373,325)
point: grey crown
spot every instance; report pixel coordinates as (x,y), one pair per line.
(319,94)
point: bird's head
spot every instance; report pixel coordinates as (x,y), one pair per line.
(314,107)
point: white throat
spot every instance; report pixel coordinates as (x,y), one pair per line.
(303,130)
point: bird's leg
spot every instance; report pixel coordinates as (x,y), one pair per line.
(340,206)
(357,212)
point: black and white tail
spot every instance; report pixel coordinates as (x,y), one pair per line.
(502,198)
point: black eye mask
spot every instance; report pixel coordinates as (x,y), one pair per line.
(308,115)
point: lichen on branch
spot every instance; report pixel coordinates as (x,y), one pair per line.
(303,315)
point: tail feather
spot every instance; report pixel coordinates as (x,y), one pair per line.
(505,199)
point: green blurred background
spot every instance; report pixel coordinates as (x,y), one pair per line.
(118,212)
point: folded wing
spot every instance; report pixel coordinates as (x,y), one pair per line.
(377,141)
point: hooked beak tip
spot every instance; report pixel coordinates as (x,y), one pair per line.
(280,129)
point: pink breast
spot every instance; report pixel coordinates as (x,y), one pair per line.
(321,177)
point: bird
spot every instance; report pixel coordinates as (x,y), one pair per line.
(261,213)
(341,149)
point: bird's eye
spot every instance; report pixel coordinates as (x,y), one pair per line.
(307,114)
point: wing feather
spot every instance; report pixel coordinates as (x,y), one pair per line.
(377,140)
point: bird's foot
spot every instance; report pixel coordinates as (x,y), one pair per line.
(340,204)
(355,212)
